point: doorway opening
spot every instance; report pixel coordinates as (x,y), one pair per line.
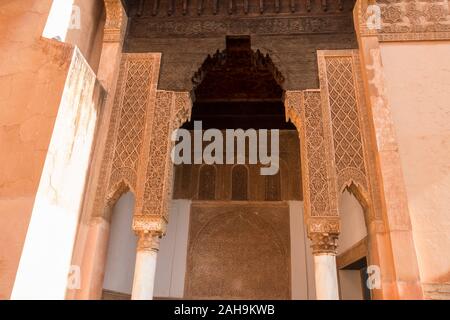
(234,224)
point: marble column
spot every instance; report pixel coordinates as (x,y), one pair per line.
(325,271)
(145,269)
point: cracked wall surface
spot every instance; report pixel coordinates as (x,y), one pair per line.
(33,71)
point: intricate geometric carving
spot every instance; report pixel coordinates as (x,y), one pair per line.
(238,72)
(293,103)
(339,95)
(151,27)
(130,131)
(151,223)
(182,109)
(170,111)
(147,241)
(323,233)
(165,8)
(316,141)
(304,108)
(135,91)
(116,21)
(255,235)
(406,20)
(324,243)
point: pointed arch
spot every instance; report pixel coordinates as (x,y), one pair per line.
(361,196)
(357,190)
(235,70)
(116,191)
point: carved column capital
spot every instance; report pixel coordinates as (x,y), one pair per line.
(323,232)
(149,223)
(148,241)
(324,243)
(149,229)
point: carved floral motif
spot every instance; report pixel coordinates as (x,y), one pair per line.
(324,243)
(391,14)
(171,110)
(116,21)
(143,118)
(138,145)
(407,19)
(147,241)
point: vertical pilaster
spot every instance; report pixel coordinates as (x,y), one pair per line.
(90,243)
(394,241)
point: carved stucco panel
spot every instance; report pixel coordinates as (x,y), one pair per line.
(171,110)
(405,20)
(134,96)
(304,109)
(353,148)
(116,21)
(339,95)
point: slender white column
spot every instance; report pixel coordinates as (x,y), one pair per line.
(325,271)
(326,277)
(144,273)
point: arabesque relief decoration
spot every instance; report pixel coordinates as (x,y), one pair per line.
(116,21)
(339,96)
(172,109)
(137,152)
(404,20)
(332,124)
(304,109)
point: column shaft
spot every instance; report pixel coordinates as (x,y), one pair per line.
(326,277)
(145,269)
(324,245)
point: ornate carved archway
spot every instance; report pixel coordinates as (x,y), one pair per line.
(331,124)
(337,148)
(137,152)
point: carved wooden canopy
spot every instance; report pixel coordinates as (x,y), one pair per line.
(233,7)
(238,73)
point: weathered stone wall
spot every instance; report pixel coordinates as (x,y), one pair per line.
(32,76)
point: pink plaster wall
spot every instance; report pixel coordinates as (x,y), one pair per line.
(89,38)
(418,88)
(30,79)
(32,76)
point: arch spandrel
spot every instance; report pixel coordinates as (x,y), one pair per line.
(304,109)
(170,110)
(343,95)
(164,111)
